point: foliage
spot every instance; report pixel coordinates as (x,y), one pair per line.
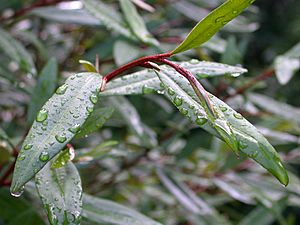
(98,125)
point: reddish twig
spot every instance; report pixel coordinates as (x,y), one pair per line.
(27,9)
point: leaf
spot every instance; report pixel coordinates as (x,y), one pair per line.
(44,88)
(17,211)
(104,211)
(133,120)
(56,124)
(286,65)
(212,23)
(237,131)
(281,109)
(63,158)
(108,16)
(61,193)
(15,50)
(74,16)
(120,52)
(136,23)
(146,81)
(190,201)
(95,121)
(88,66)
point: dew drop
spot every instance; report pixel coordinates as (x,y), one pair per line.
(219,19)
(147,90)
(44,156)
(234,12)
(75,129)
(42,115)
(177,101)
(194,61)
(238,116)
(28,146)
(223,108)
(18,193)
(254,155)
(242,144)
(94,98)
(171,91)
(184,111)
(201,120)
(45,123)
(90,109)
(60,138)
(62,89)
(21,157)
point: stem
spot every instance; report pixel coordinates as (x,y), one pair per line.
(196,85)
(138,62)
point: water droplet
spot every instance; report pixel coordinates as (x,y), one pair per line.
(194,61)
(62,89)
(60,138)
(94,98)
(44,156)
(75,129)
(171,91)
(223,108)
(21,157)
(42,115)
(90,109)
(28,146)
(162,85)
(191,106)
(234,12)
(201,120)
(242,144)
(45,123)
(238,116)
(18,193)
(254,155)
(177,101)
(219,19)
(184,111)
(147,90)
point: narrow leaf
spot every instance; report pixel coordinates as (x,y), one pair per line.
(147,82)
(61,193)
(136,23)
(56,124)
(88,66)
(44,88)
(104,211)
(15,50)
(233,128)
(109,17)
(212,23)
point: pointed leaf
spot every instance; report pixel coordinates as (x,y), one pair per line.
(61,193)
(88,66)
(109,17)
(105,211)
(15,50)
(146,81)
(212,23)
(44,88)
(136,23)
(231,127)
(55,125)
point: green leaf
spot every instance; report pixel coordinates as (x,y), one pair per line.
(136,23)
(146,81)
(230,126)
(88,66)
(103,211)
(17,211)
(61,193)
(133,120)
(212,23)
(74,16)
(190,201)
(95,121)
(286,65)
(44,88)
(109,17)
(63,158)
(56,124)
(15,50)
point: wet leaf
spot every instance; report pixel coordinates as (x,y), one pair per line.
(56,124)
(61,193)
(230,126)
(105,211)
(212,23)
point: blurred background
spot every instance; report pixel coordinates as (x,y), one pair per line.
(189,177)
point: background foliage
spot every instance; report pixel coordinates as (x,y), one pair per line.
(147,156)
